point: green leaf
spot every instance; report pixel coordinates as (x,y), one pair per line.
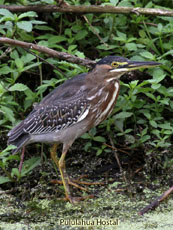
(8,113)
(48,1)
(133,84)
(4,180)
(41,27)
(166,126)
(153,123)
(25,25)
(147,115)
(99,151)
(147,54)
(131,46)
(31,66)
(27,14)
(2,89)
(14,54)
(119,39)
(7,149)
(160,27)
(168,132)
(123,115)
(119,124)
(114,2)
(19,63)
(155,86)
(28,58)
(129,138)
(6,13)
(121,35)
(80,54)
(18,87)
(99,139)
(56,39)
(86,136)
(15,172)
(151,96)
(158,75)
(145,138)
(29,165)
(87,146)
(37,22)
(165,101)
(6,70)
(81,34)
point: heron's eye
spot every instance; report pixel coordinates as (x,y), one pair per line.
(115,64)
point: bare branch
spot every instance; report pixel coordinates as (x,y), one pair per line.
(156,202)
(48,51)
(88,9)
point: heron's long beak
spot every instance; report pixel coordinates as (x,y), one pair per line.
(133,65)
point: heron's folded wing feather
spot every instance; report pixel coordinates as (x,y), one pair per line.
(53,118)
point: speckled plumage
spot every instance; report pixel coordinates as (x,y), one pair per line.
(91,94)
(59,110)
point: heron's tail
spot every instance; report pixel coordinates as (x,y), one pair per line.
(18,137)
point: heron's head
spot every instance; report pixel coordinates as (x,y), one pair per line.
(113,67)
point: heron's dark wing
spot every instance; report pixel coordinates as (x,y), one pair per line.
(51,118)
(62,108)
(69,90)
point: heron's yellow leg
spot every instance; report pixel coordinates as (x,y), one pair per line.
(60,163)
(64,176)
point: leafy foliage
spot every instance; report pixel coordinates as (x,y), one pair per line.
(143,113)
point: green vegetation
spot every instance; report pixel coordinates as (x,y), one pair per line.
(141,124)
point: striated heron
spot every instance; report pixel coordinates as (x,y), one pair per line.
(73,108)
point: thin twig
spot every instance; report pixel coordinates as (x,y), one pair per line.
(21,159)
(94,31)
(8,50)
(121,150)
(118,162)
(116,155)
(149,24)
(42,59)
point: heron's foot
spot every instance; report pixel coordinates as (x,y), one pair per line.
(77,183)
(70,182)
(87,183)
(76,200)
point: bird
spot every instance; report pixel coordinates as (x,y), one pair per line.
(73,108)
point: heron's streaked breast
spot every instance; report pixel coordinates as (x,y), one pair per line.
(107,102)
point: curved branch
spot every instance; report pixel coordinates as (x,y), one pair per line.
(89,9)
(157,201)
(48,51)
(67,57)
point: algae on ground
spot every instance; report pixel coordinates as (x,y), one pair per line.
(40,214)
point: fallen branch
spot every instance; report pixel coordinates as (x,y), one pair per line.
(156,202)
(89,9)
(48,51)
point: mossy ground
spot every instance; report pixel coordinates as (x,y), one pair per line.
(35,204)
(46,213)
